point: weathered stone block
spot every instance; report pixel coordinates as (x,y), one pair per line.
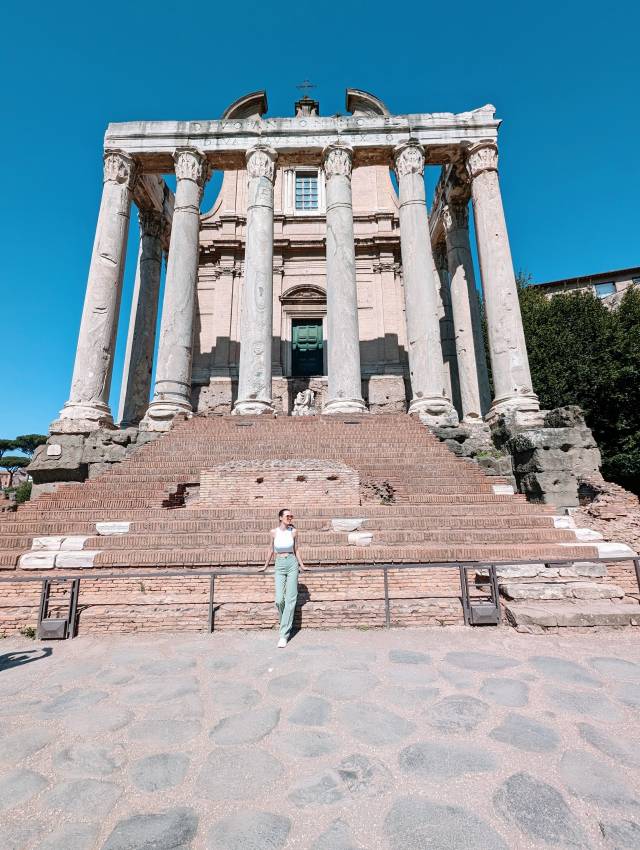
(37,561)
(387,394)
(68,466)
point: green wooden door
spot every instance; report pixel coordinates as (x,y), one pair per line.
(306,345)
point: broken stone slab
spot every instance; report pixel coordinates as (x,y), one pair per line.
(106,528)
(591,590)
(564,521)
(609,549)
(73,543)
(528,617)
(507,571)
(38,560)
(76,560)
(50,544)
(347,524)
(586,535)
(503,489)
(588,569)
(561,590)
(360,538)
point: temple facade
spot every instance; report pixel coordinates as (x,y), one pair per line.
(318,267)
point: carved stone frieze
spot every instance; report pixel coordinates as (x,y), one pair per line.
(119,167)
(409,159)
(337,161)
(151,223)
(191,164)
(455,217)
(483,157)
(261,162)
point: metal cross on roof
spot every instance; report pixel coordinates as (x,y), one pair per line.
(304,85)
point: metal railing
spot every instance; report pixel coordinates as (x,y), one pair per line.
(477,609)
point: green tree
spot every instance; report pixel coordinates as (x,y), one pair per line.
(6,446)
(28,443)
(12,463)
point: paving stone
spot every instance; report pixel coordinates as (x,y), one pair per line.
(363,775)
(406,656)
(345,684)
(72,836)
(411,697)
(288,685)
(115,677)
(511,693)
(629,694)
(173,829)
(247,727)
(234,696)
(457,678)
(483,662)
(375,725)
(415,823)
(16,746)
(167,666)
(236,774)
(567,672)
(621,835)
(311,711)
(19,786)
(160,771)
(187,708)
(318,790)
(445,760)
(17,836)
(412,675)
(457,713)
(618,750)
(308,743)
(101,719)
(73,700)
(160,691)
(589,777)
(589,703)
(618,669)
(249,831)
(337,837)
(539,810)
(90,759)
(222,663)
(81,796)
(526,734)
(163,731)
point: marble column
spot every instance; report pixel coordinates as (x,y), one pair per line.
(445,317)
(256,318)
(172,392)
(344,394)
(88,405)
(475,395)
(507,347)
(429,396)
(141,339)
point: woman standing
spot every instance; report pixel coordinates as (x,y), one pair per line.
(283,546)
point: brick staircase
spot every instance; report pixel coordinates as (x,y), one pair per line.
(419,502)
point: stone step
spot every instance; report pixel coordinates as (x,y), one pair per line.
(555,616)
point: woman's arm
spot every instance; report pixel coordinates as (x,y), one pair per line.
(269,556)
(295,549)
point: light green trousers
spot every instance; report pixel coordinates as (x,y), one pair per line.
(286,573)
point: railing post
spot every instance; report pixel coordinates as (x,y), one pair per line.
(464,592)
(212,580)
(636,564)
(387,608)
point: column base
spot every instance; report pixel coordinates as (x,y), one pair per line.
(339,406)
(252,407)
(160,415)
(82,418)
(524,405)
(434,411)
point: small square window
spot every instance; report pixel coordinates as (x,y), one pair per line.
(604,289)
(306,197)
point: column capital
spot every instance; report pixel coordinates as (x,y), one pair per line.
(261,162)
(408,158)
(482,157)
(119,167)
(151,222)
(191,164)
(337,160)
(455,216)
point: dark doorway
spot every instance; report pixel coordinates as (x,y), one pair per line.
(306,347)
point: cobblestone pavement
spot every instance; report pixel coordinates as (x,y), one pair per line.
(352,740)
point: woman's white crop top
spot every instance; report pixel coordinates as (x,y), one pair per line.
(283,541)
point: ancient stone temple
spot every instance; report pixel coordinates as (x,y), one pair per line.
(312,270)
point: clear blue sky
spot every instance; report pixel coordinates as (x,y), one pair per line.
(564,77)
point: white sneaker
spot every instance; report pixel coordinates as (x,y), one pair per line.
(282,643)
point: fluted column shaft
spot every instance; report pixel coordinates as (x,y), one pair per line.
(138,363)
(445,316)
(88,404)
(343,342)
(172,391)
(429,396)
(256,318)
(507,347)
(475,395)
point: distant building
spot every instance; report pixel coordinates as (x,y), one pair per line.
(19,476)
(608,285)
